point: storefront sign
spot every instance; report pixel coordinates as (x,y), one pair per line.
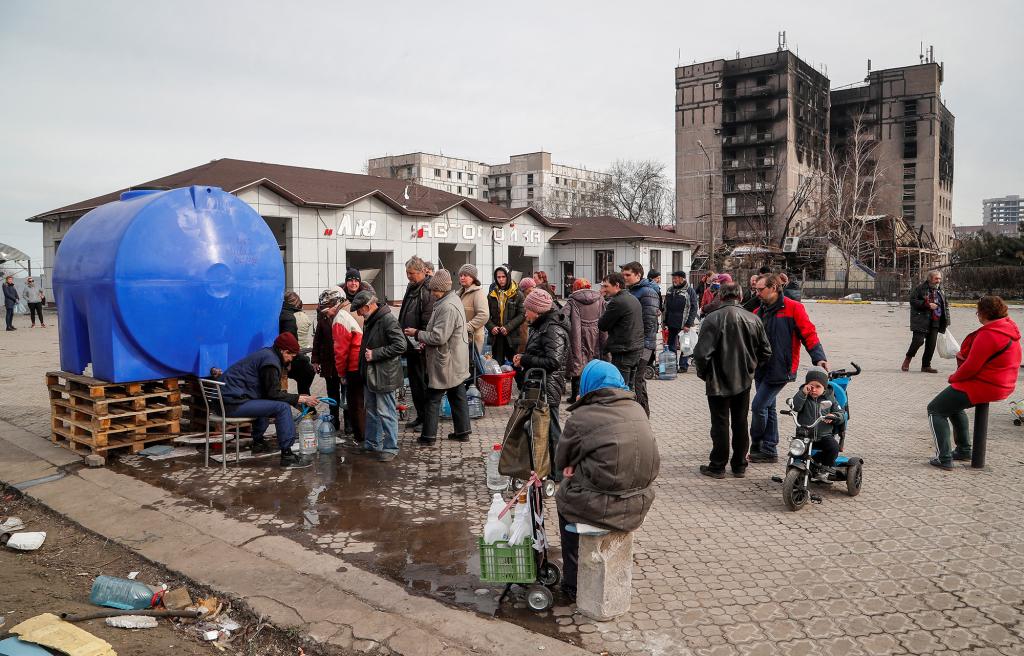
(347,227)
(471,232)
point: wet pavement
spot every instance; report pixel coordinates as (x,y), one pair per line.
(415,520)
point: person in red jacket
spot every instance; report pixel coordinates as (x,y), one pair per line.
(348,337)
(987,368)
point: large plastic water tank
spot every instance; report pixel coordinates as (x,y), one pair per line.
(163,283)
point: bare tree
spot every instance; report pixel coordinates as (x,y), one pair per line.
(851,186)
(640,191)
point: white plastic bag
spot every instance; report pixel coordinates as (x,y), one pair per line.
(947,345)
(688,339)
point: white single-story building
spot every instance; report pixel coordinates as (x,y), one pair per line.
(327,221)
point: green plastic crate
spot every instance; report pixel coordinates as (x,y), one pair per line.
(501,563)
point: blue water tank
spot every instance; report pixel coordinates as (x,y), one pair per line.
(164,283)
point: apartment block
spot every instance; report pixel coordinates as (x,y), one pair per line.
(527,180)
(1002,215)
(901,109)
(750,133)
(463,177)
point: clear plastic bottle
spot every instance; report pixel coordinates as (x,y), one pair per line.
(475,402)
(495,481)
(307,435)
(124,594)
(326,437)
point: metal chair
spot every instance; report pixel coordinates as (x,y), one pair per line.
(213,399)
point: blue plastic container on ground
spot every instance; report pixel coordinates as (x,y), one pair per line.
(165,283)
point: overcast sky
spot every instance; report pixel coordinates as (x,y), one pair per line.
(95,96)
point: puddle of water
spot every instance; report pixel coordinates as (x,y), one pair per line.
(412,520)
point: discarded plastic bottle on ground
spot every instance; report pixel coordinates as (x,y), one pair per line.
(475,402)
(495,481)
(124,594)
(307,436)
(325,434)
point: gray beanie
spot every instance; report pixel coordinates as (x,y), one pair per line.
(818,375)
(470,271)
(440,281)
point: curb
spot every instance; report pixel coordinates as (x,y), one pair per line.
(292,587)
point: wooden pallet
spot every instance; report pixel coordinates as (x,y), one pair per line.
(89,415)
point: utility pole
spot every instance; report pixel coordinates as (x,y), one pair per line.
(711,212)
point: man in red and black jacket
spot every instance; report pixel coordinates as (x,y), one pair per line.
(788,326)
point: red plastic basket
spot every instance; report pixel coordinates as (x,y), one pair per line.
(496,389)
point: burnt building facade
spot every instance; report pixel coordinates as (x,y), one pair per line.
(751,133)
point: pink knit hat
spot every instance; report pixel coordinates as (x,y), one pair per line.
(538,301)
(526,284)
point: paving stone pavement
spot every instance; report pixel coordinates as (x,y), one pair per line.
(922,562)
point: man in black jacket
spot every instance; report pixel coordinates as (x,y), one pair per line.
(380,367)
(649,296)
(547,348)
(417,305)
(680,313)
(623,322)
(732,344)
(929,316)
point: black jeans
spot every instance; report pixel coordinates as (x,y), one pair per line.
(570,556)
(460,411)
(334,392)
(33,310)
(928,339)
(417,371)
(9,315)
(673,345)
(828,450)
(726,410)
(627,364)
(639,385)
(301,371)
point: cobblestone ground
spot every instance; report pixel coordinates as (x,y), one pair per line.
(923,561)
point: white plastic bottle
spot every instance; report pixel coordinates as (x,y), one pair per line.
(521,528)
(495,481)
(307,435)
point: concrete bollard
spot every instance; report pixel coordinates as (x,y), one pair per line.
(605,579)
(980,442)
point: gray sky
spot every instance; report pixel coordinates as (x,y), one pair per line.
(99,95)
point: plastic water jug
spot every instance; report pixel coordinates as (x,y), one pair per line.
(307,435)
(495,481)
(163,283)
(326,437)
(124,594)
(475,402)
(496,529)
(668,366)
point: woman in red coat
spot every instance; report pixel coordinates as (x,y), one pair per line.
(987,368)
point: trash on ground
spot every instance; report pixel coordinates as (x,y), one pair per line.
(852,297)
(177,452)
(124,594)
(212,635)
(50,631)
(132,622)
(26,541)
(132,575)
(177,599)
(209,607)
(11,525)
(156,450)
(17,647)
(228,624)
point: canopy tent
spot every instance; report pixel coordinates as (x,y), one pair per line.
(12,254)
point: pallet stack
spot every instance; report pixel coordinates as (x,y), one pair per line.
(92,416)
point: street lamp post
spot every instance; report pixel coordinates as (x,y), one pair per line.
(711,212)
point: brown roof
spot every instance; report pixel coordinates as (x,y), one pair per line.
(607,228)
(317,187)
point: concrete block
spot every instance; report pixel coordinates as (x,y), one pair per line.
(605,579)
(95,460)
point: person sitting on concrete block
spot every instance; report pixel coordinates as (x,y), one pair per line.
(609,460)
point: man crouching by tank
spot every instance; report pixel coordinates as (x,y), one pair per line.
(609,460)
(252,388)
